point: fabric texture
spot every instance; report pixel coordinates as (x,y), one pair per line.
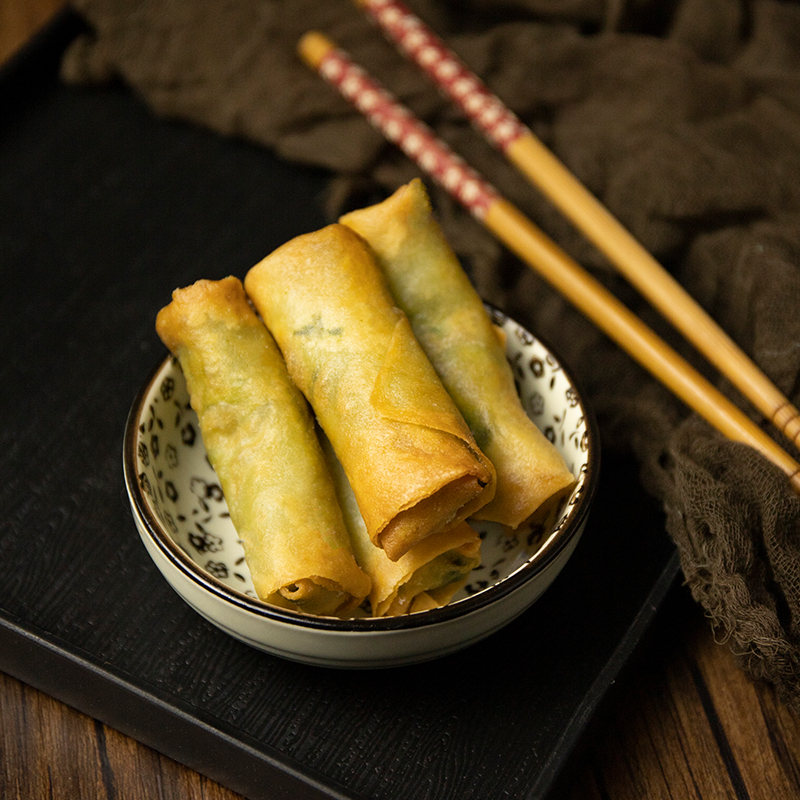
(682,117)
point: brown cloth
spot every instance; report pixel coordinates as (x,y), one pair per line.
(683,117)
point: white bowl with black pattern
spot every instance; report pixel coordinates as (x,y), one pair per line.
(182,518)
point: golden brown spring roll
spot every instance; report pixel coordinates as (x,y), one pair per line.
(261,441)
(410,457)
(466,349)
(427,576)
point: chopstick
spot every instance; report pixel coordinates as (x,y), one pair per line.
(543,169)
(518,233)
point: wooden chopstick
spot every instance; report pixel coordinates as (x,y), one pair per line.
(434,157)
(542,168)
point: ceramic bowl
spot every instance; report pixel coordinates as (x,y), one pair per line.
(183,520)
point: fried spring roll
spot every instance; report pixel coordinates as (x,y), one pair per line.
(411,459)
(427,576)
(466,349)
(261,441)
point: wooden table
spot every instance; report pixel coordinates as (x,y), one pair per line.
(682,721)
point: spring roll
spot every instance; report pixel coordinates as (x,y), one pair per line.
(410,457)
(427,576)
(466,349)
(260,439)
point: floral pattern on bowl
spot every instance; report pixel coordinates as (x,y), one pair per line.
(183,491)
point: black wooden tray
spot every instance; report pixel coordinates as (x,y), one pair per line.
(104,211)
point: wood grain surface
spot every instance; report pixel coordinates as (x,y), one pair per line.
(19,19)
(682,721)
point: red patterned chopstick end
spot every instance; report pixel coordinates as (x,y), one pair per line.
(486,111)
(409,133)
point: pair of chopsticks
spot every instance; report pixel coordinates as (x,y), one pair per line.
(503,129)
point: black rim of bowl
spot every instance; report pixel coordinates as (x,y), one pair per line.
(535,565)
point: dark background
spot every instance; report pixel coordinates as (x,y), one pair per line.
(105,211)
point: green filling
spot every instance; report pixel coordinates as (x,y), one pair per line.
(316,329)
(441,571)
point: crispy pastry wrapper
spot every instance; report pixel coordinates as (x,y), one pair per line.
(466,349)
(411,460)
(260,439)
(427,576)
